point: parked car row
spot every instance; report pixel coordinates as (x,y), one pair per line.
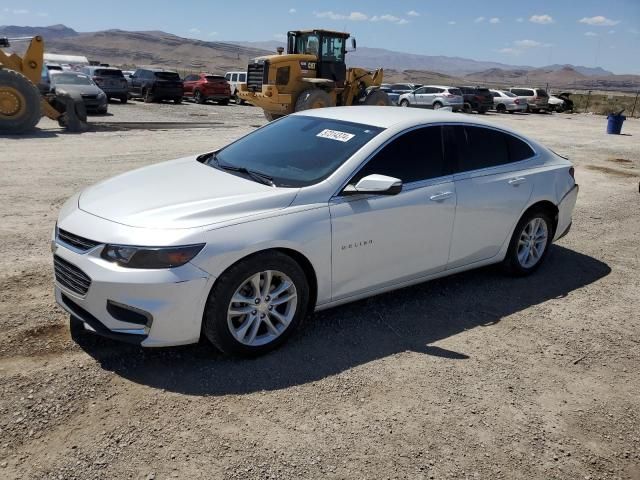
(475,98)
(148,84)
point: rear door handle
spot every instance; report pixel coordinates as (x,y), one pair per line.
(438,197)
(517,181)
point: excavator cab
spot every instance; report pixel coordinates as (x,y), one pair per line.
(327,46)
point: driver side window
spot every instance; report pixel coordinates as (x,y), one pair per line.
(414,156)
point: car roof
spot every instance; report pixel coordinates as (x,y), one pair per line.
(68,72)
(391,117)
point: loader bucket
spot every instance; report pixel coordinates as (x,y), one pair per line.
(73,113)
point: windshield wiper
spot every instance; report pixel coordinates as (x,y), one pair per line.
(259,177)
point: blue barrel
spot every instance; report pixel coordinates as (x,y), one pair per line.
(614,123)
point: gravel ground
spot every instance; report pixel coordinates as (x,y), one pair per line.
(473,376)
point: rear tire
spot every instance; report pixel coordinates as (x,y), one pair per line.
(177,100)
(198,98)
(124,99)
(312,98)
(224,329)
(19,102)
(223,102)
(501,108)
(527,237)
(404,103)
(377,98)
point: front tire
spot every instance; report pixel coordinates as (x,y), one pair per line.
(404,103)
(437,105)
(19,102)
(529,244)
(312,98)
(198,98)
(377,97)
(256,304)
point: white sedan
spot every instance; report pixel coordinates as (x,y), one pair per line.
(314,210)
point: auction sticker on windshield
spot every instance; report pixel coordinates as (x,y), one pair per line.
(335,135)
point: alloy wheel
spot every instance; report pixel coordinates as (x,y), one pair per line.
(262,308)
(532,242)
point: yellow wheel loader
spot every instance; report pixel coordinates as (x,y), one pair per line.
(312,74)
(21,104)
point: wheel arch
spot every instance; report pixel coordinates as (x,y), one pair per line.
(546,206)
(300,258)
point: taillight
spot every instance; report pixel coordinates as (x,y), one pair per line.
(448,95)
(572,172)
(516,101)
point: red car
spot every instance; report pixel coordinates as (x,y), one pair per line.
(204,86)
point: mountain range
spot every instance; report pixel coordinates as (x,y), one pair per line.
(130,48)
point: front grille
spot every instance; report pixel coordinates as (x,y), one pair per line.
(70,276)
(76,241)
(255,76)
(89,97)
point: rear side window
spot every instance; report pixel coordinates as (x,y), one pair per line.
(414,156)
(214,78)
(234,77)
(479,147)
(455,91)
(518,150)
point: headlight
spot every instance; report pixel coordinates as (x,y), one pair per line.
(150,257)
(101,95)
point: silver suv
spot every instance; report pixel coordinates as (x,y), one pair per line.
(537,98)
(433,96)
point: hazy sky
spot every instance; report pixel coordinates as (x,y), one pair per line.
(535,32)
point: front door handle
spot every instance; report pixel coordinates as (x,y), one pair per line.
(438,197)
(517,181)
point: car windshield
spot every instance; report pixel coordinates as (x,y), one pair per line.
(296,151)
(167,75)
(71,79)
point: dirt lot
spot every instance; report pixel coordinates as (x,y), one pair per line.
(473,376)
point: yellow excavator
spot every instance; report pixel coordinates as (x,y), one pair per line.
(312,74)
(21,103)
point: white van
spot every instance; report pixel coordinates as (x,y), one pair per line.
(234,79)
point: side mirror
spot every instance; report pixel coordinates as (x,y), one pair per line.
(375,185)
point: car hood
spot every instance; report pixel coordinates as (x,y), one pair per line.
(182,193)
(78,89)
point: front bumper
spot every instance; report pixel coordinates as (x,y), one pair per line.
(269,100)
(173,300)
